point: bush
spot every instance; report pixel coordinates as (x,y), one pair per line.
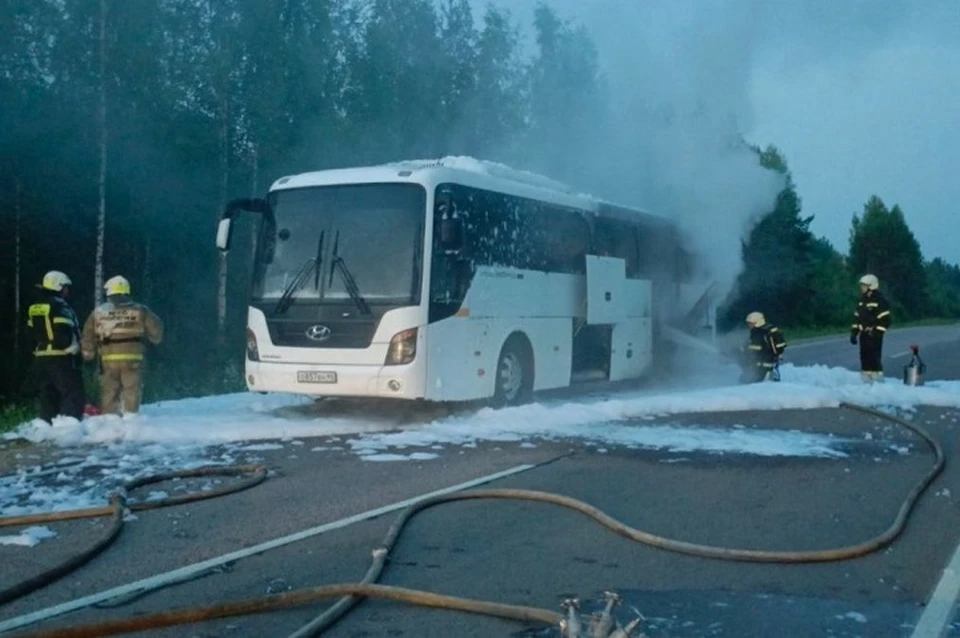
(165,380)
(13,414)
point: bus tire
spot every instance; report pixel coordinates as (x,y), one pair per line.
(513,382)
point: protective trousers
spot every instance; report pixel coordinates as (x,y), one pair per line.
(60,382)
(754,375)
(120,380)
(757,374)
(871,351)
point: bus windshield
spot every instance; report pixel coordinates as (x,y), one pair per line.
(358,243)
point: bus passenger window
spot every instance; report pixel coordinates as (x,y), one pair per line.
(456,249)
(617,238)
(562,238)
(451,233)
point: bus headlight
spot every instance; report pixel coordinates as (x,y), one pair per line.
(253,352)
(403,348)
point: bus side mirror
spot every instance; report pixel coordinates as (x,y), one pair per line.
(224,233)
(451,234)
(269,239)
(234,208)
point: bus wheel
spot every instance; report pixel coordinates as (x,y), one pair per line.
(514,382)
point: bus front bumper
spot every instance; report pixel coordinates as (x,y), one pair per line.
(397,382)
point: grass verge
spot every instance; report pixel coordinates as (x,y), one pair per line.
(13,414)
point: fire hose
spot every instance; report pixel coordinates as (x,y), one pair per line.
(115,510)
(350,594)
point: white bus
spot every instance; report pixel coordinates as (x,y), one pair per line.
(451,280)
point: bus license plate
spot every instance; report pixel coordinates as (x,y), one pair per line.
(315,376)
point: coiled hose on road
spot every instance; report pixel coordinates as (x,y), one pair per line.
(255,474)
(352,593)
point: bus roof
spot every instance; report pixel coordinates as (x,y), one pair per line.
(469,172)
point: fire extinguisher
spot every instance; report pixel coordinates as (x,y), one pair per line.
(913,372)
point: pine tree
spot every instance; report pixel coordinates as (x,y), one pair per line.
(778,264)
(881,243)
(943,288)
(498,110)
(395,83)
(567,95)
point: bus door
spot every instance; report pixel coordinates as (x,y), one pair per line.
(616,296)
(606,303)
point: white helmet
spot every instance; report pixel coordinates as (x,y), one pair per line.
(756,319)
(117,286)
(55,281)
(870,281)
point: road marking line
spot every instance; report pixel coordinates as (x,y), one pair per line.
(183,572)
(939,610)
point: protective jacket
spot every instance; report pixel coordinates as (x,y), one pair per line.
(872,314)
(118,330)
(54,326)
(766,345)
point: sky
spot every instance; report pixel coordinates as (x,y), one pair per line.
(861,96)
(100,453)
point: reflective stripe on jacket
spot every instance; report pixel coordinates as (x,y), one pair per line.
(54,327)
(872,313)
(118,331)
(767,345)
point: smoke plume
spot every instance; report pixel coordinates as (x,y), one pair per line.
(672,142)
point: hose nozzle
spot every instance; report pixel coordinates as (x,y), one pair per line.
(627,632)
(603,623)
(570,626)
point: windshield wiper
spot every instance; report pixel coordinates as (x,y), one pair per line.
(348,281)
(319,260)
(309,267)
(289,293)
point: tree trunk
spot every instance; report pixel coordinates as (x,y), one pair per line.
(254,172)
(222,202)
(254,188)
(145,273)
(102,173)
(18,215)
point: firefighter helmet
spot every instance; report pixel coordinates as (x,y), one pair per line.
(755,319)
(117,286)
(870,281)
(55,281)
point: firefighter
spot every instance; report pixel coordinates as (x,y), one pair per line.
(118,330)
(871,321)
(764,350)
(56,334)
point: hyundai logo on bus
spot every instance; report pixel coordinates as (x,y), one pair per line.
(318,333)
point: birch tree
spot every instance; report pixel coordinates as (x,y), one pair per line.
(17,266)
(102,156)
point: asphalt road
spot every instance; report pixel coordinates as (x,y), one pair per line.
(535,554)
(896,351)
